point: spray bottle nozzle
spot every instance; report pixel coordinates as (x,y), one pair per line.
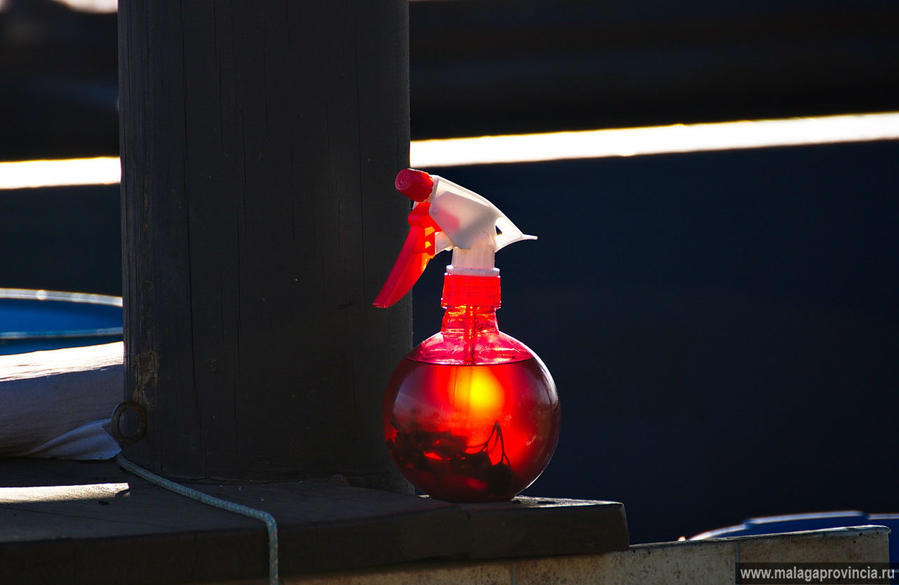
(445,216)
(414,184)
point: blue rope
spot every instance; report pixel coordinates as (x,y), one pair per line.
(270,525)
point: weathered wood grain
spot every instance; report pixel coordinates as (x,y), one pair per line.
(259,143)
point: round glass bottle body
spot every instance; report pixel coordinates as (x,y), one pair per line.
(471,414)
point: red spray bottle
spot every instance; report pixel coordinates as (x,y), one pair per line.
(470,414)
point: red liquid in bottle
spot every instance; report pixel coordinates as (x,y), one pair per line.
(471,433)
(471,414)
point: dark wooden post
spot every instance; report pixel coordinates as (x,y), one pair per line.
(259,143)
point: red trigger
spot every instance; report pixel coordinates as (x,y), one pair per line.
(417,251)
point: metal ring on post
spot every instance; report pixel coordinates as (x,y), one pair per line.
(117,415)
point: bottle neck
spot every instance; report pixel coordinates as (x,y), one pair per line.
(471,290)
(469,320)
(470,301)
(469,334)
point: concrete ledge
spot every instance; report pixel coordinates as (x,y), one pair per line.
(710,561)
(337,535)
(147,535)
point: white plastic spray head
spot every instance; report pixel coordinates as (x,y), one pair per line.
(446,216)
(474,227)
(463,216)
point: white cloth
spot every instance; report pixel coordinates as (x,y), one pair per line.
(54,403)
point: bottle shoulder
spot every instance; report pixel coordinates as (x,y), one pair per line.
(483,347)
